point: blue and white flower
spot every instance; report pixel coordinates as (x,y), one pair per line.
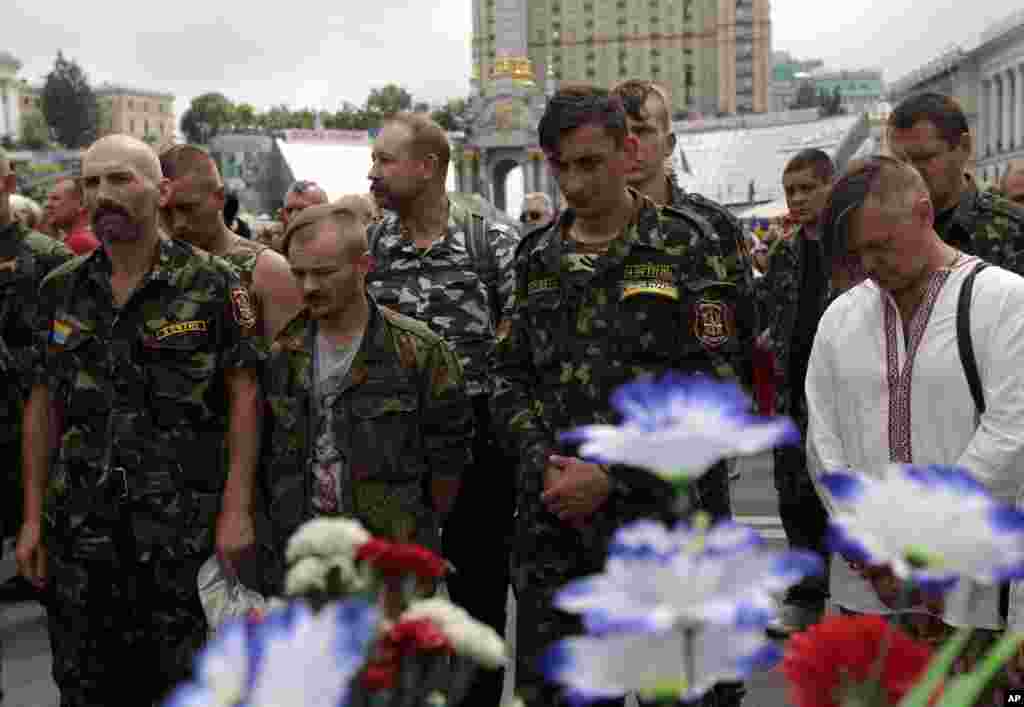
(947,525)
(655,664)
(679,427)
(292,657)
(690,576)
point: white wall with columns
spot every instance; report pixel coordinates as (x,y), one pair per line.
(999,134)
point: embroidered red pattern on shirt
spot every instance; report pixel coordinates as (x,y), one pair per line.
(900,450)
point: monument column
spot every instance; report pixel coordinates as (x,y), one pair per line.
(1018,79)
(993,118)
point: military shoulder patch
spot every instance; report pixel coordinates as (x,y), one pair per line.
(242,307)
(177,328)
(713,323)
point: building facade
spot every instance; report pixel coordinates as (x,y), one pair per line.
(712,55)
(10,96)
(987,80)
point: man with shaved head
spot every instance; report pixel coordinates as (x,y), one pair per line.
(301,195)
(369,416)
(66,212)
(192,210)
(25,257)
(146,353)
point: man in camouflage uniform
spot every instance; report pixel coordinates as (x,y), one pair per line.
(616,288)
(440,263)
(25,257)
(930,131)
(367,411)
(192,210)
(647,115)
(145,352)
(792,296)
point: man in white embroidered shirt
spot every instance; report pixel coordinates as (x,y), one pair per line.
(885,382)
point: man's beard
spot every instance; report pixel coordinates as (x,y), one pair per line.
(112,224)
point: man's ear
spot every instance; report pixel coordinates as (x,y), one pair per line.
(219,198)
(630,146)
(165,189)
(671,139)
(9,183)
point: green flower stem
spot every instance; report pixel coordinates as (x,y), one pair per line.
(938,668)
(965,690)
(689,659)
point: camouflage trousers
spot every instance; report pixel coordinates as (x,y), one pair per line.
(124,626)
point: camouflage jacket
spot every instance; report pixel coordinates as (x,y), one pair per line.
(988,226)
(442,286)
(402,418)
(778,294)
(142,407)
(243,255)
(669,294)
(720,218)
(25,258)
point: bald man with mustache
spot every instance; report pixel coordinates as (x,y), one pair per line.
(146,353)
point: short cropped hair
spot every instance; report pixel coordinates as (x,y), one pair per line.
(814,159)
(306,186)
(941,111)
(891,183)
(341,215)
(428,138)
(634,94)
(576,105)
(183,160)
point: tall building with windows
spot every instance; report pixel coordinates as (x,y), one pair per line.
(713,55)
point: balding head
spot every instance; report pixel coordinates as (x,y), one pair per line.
(537,209)
(193,199)
(120,152)
(1012,183)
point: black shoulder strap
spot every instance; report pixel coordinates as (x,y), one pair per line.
(373,234)
(963,338)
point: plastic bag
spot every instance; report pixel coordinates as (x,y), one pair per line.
(224,598)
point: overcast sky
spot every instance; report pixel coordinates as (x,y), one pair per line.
(316,53)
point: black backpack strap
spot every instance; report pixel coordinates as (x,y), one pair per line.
(963,338)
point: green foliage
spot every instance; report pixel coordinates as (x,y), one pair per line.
(35,133)
(208,115)
(388,100)
(451,116)
(69,104)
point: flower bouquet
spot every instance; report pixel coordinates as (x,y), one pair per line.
(699,616)
(359,626)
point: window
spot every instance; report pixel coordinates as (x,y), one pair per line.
(145,107)
(591,73)
(655,69)
(590,56)
(588,7)
(589,24)
(131,125)
(162,127)
(145,127)
(621,4)
(131,104)
(556,8)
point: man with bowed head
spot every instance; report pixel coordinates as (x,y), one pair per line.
(145,352)
(616,288)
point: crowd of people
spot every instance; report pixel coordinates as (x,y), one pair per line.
(178,388)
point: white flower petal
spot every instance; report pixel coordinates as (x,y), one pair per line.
(326,537)
(306,576)
(468,637)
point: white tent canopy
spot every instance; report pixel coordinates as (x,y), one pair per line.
(771,209)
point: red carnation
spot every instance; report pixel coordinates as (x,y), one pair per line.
(842,649)
(420,635)
(380,675)
(401,558)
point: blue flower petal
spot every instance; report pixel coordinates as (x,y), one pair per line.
(598,622)
(838,540)
(934,582)
(751,616)
(798,563)
(766,658)
(190,695)
(557,661)
(1006,519)
(843,486)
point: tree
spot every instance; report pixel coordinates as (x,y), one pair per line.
(35,133)
(69,105)
(245,116)
(388,100)
(452,115)
(207,115)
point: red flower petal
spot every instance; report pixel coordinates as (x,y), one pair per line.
(841,648)
(380,676)
(421,635)
(401,558)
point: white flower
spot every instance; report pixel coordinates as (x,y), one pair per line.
(307,575)
(679,427)
(689,576)
(467,636)
(326,537)
(655,664)
(932,524)
(292,657)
